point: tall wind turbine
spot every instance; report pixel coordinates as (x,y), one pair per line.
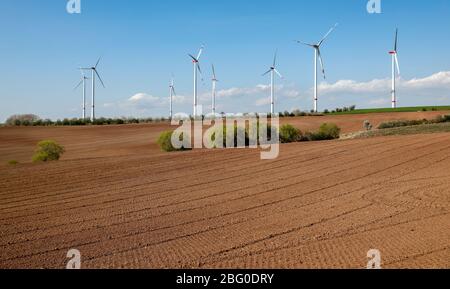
(94,73)
(272,70)
(195,61)
(83,82)
(395,66)
(214,84)
(172,93)
(317,55)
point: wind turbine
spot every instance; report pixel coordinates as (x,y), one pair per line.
(395,66)
(83,82)
(272,70)
(317,55)
(172,93)
(195,61)
(214,84)
(94,72)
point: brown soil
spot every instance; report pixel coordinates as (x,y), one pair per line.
(122,203)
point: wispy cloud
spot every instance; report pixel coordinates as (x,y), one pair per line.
(438,82)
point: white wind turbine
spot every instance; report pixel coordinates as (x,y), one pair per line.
(317,55)
(83,82)
(94,73)
(214,84)
(272,70)
(195,61)
(172,93)
(395,66)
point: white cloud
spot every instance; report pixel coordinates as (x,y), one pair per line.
(262,102)
(439,82)
(440,79)
(380,101)
(143,97)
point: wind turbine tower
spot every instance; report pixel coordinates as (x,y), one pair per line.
(273,70)
(172,93)
(395,70)
(196,62)
(94,73)
(317,55)
(83,82)
(214,86)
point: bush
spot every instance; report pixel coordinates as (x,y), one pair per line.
(13,162)
(48,150)
(401,123)
(240,134)
(327,131)
(22,119)
(165,142)
(289,134)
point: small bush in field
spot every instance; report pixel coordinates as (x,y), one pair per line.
(289,134)
(327,131)
(165,142)
(13,162)
(48,150)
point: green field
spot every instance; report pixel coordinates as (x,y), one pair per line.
(401,109)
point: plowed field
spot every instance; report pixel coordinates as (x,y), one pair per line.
(124,204)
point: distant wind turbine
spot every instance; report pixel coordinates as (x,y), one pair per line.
(195,61)
(214,84)
(94,73)
(272,70)
(172,93)
(395,66)
(83,82)
(317,55)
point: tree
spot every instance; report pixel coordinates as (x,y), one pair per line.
(22,119)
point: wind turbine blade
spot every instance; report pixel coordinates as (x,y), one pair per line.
(307,44)
(98,61)
(200,52)
(396,40)
(200,70)
(321,63)
(214,72)
(328,34)
(193,58)
(275,59)
(267,72)
(99,78)
(173,91)
(81,82)
(398,66)
(279,74)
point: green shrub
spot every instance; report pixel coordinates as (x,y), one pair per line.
(48,150)
(13,162)
(327,131)
(22,119)
(165,142)
(289,134)
(401,123)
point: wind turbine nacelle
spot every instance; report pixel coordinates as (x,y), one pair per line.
(392,52)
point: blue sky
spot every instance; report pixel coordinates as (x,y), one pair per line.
(143,42)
